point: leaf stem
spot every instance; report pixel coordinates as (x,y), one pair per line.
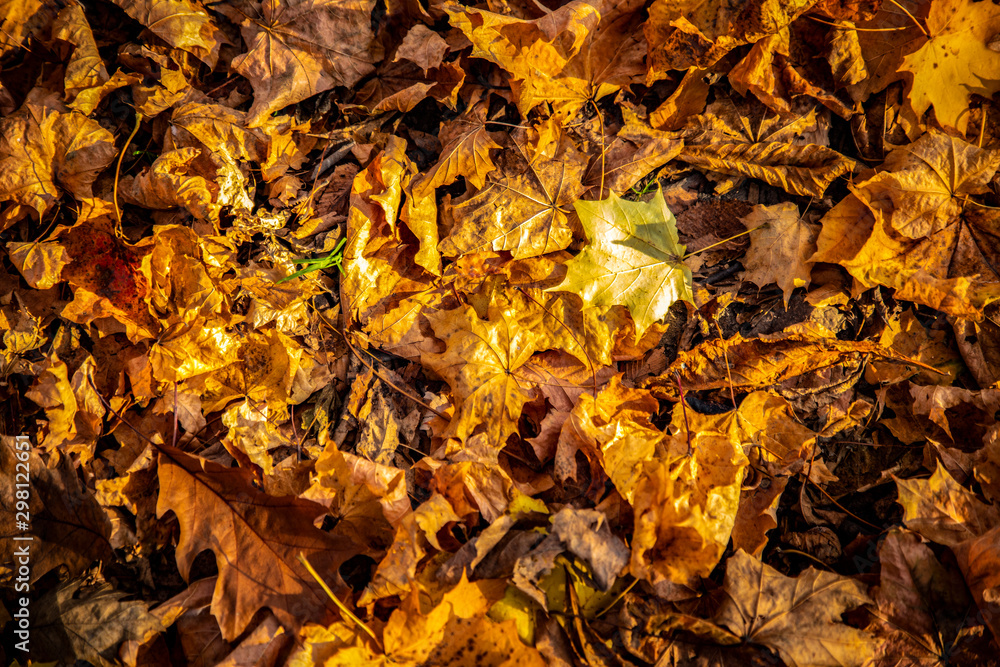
(912,18)
(340,605)
(687,425)
(118,169)
(718,243)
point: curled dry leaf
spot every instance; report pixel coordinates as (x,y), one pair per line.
(183,24)
(801,170)
(763,362)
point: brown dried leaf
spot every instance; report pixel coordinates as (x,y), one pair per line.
(296,49)
(758,363)
(924,608)
(801,170)
(687,33)
(797,617)
(909,228)
(256,538)
(779,252)
(77,622)
(70,528)
(943,511)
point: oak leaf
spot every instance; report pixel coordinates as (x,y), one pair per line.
(797,617)
(256,538)
(633,259)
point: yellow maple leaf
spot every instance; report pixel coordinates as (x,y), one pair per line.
(954,62)
(479,365)
(633,259)
(524,208)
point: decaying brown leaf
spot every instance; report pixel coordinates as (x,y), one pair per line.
(89,622)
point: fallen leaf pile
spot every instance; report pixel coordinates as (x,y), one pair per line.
(586,332)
